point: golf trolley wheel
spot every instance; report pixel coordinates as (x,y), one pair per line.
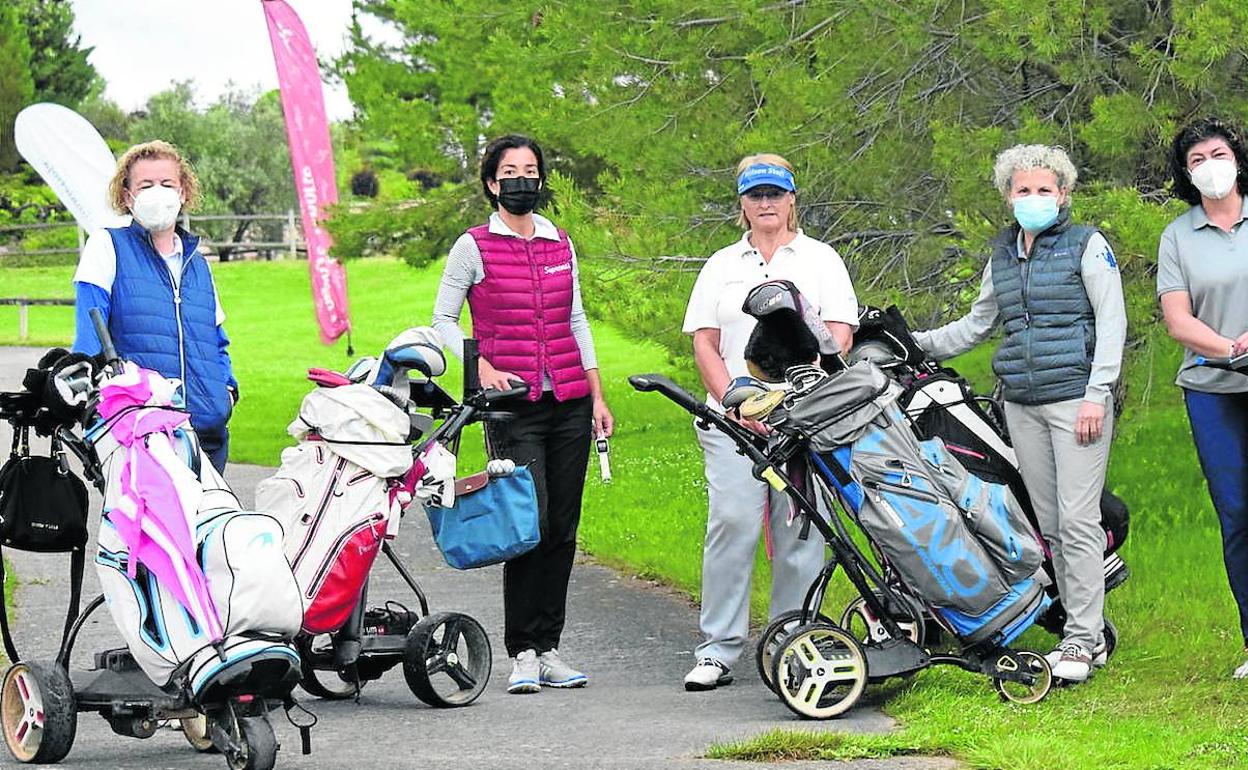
(329,684)
(770,640)
(195,730)
(257,745)
(447,660)
(1111,638)
(1019,692)
(859,621)
(38,710)
(819,671)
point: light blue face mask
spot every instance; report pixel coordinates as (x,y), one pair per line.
(1035,212)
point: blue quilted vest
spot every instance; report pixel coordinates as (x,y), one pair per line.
(1050,328)
(170,331)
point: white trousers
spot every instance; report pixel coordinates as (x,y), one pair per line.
(732,530)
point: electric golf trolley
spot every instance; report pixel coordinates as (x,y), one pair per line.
(222,696)
(446,656)
(820,668)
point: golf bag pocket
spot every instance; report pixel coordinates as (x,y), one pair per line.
(336,515)
(995,517)
(159,632)
(490,522)
(333,581)
(251,582)
(921,533)
(992,513)
(249,579)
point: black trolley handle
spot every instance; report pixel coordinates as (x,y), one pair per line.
(474,399)
(111,359)
(764,468)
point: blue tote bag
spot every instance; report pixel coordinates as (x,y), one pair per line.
(492,523)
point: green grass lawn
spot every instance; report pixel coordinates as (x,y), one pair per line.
(1166,701)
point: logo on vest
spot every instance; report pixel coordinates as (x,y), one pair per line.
(552,269)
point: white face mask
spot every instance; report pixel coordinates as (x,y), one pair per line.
(156,208)
(1215,178)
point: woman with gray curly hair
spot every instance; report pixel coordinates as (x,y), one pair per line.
(1054,287)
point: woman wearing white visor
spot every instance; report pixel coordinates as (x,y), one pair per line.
(771,248)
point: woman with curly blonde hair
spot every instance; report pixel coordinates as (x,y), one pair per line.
(1054,287)
(156,292)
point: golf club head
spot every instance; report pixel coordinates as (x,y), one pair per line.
(789,331)
(418,349)
(740,389)
(758,406)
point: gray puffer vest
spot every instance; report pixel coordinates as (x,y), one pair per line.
(1050,328)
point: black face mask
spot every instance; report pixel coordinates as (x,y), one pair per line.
(519,194)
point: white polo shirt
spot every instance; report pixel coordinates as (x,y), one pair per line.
(729,275)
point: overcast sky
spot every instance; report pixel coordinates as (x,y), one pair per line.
(142,46)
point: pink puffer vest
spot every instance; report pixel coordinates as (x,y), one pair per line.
(522,311)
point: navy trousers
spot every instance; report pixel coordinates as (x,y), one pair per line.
(1220,428)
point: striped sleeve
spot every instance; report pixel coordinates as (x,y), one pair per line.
(463,270)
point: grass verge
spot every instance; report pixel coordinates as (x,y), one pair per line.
(1165,702)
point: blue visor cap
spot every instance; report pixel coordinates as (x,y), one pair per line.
(764,173)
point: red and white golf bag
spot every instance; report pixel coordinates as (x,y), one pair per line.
(334,497)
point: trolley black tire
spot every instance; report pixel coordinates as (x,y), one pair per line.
(427,655)
(261,745)
(768,643)
(801,658)
(335,688)
(46,686)
(1111,638)
(311,683)
(917,621)
(1033,693)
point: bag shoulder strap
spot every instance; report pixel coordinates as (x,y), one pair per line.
(77,565)
(21,442)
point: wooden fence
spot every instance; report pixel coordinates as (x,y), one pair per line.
(290,246)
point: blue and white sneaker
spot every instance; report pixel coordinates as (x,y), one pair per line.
(524,674)
(556,673)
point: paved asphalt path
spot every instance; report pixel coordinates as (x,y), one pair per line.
(633,639)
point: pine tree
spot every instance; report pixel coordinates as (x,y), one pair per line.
(16,86)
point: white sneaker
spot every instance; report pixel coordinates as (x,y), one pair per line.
(525,674)
(1074,663)
(1100,654)
(556,673)
(707,675)
(1241,672)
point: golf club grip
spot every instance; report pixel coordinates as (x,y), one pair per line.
(101,331)
(472,376)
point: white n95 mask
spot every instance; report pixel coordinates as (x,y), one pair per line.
(156,208)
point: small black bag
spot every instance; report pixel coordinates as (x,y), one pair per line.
(43,507)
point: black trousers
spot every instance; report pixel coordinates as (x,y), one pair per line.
(553,438)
